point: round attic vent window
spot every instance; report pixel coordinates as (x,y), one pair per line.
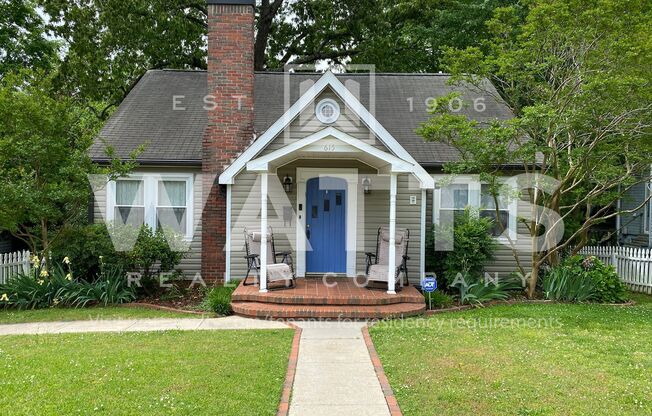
(328,111)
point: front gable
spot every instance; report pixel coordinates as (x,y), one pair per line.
(354,117)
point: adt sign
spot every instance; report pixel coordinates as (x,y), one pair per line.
(429,284)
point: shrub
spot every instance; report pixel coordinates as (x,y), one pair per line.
(110,288)
(473,248)
(86,245)
(579,279)
(218,299)
(152,253)
(57,287)
(480,291)
(438,300)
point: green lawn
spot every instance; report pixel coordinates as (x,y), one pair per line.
(151,373)
(581,360)
(64,314)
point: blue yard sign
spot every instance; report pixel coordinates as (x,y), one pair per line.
(429,284)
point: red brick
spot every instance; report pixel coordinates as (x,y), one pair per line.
(230,127)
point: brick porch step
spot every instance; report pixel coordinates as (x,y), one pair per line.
(275,311)
(314,292)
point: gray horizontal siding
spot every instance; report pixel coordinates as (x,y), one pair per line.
(633,223)
(306,124)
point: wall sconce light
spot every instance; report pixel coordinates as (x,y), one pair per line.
(287,183)
(366,185)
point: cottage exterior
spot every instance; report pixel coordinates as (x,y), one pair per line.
(335,157)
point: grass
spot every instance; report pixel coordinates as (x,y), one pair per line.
(574,360)
(151,373)
(66,314)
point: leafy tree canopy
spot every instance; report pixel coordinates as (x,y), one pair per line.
(23,40)
(578,77)
(111,43)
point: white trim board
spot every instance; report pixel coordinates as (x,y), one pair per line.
(327,80)
(350,175)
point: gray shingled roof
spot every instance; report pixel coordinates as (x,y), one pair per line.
(147,114)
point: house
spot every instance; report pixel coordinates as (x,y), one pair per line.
(334,156)
(634,228)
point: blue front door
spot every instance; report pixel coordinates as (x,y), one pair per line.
(326,225)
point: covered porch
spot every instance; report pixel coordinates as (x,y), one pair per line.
(325,197)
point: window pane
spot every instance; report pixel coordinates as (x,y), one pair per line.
(129,192)
(488,199)
(130,215)
(455,196)
(172,218)
(497,229)
(172,193)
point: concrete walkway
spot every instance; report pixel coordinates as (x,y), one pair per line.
(334,373)
(139,325)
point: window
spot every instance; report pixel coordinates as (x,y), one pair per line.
(327,111)
(172,206)
(454,196)
(159,201)
(488,210)
(454,199)
(129,202)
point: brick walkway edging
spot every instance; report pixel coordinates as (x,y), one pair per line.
(284,405)
(392,403)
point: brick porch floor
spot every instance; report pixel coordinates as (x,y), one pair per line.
(311,298)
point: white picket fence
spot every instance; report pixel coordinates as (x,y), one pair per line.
(13,263)
(634,265)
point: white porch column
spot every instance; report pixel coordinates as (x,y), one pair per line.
(227,276)
(422,253)
(391,272)
(263,233)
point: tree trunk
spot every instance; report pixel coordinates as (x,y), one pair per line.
(534,277)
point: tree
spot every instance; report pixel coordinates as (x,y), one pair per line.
(577,76)
(44,162)
(23,41)
(411,36)
(110,44)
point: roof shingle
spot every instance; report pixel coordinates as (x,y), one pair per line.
(148,114)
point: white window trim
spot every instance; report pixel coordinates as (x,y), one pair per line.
(150,195)
(475,187)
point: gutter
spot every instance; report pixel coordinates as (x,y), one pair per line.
(155,162)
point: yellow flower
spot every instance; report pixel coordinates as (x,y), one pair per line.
(44,273)
(40,282)
(66,260)
(35,261)
(69,276)
(4,298)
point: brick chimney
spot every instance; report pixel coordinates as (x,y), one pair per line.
(230,123)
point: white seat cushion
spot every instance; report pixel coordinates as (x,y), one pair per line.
(278,272)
